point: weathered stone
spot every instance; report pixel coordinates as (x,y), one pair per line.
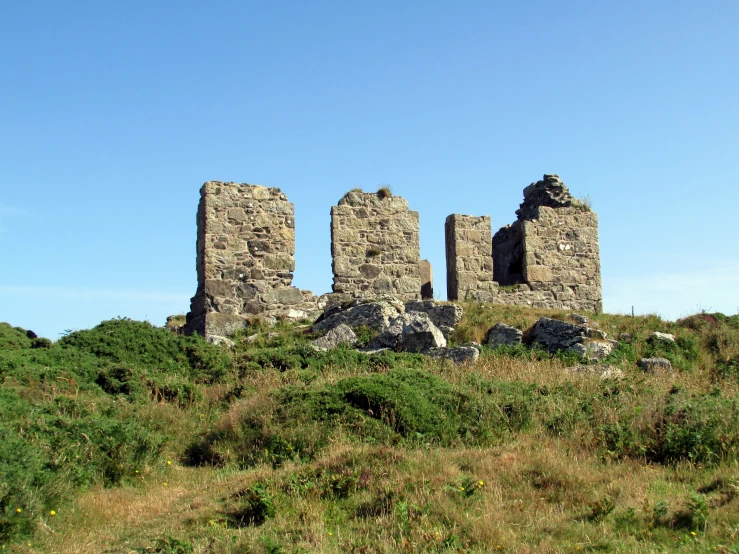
(339,334)
(665,337)
(410,332)
(652,364)
(553,248)
(283,295)
(592,350)
(554,335)
(501,334)
(441,314)
(219,340)
(420,334)
(459,355)
(376,315)
(602,371)
(245,246)
(223,324)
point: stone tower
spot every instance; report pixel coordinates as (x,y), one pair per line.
(375,246)
(245,264)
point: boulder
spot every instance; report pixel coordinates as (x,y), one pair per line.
(501,334)
(337,335)
(592,349)
(441,315)
(376,315)
(579,319)
(410,332)
(554,335)
(465,354)
(219,340)
(665,337)
(652,364)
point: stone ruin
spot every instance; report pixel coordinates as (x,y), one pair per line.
(547,258)
(245,263)
(375,246)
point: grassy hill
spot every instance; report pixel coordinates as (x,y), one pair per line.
(130,438)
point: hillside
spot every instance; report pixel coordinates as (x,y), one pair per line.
(131,438)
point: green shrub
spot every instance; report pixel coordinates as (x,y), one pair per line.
(141,344)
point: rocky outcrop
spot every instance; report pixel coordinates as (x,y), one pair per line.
(501,334)
(554,335)
(663,337)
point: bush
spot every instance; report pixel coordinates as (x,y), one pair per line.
(141,344)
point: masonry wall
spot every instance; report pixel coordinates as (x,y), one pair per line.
(469,258)
(375,246)
(245,247)
(554,245)
(548,258)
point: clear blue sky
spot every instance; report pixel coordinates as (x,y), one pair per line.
(112,115)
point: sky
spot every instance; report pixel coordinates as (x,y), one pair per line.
(112,115)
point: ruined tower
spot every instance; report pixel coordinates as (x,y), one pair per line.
(375,246)
(245,264)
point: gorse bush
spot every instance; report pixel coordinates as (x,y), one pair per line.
(61,424)
(140,343)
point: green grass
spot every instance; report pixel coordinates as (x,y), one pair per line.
(142,440)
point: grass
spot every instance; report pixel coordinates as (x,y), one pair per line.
(141,440)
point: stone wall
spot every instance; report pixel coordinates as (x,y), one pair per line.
(548,258)
(375,246)
(469,258)
(245,247)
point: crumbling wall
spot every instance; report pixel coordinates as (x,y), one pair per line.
(245,248)
(469,258)
(375,246)
(557,238)
(548,258)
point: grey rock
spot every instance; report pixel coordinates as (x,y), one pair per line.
(410,332)
(554,335)
(339,334)
(579,319)
(603,371)
(251,338)
(441,315)
(666,337)
(446,331)
(220,341)
(501,334)
(593,350)
(597,334)
(651,364)
(376,315)
(459,355)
